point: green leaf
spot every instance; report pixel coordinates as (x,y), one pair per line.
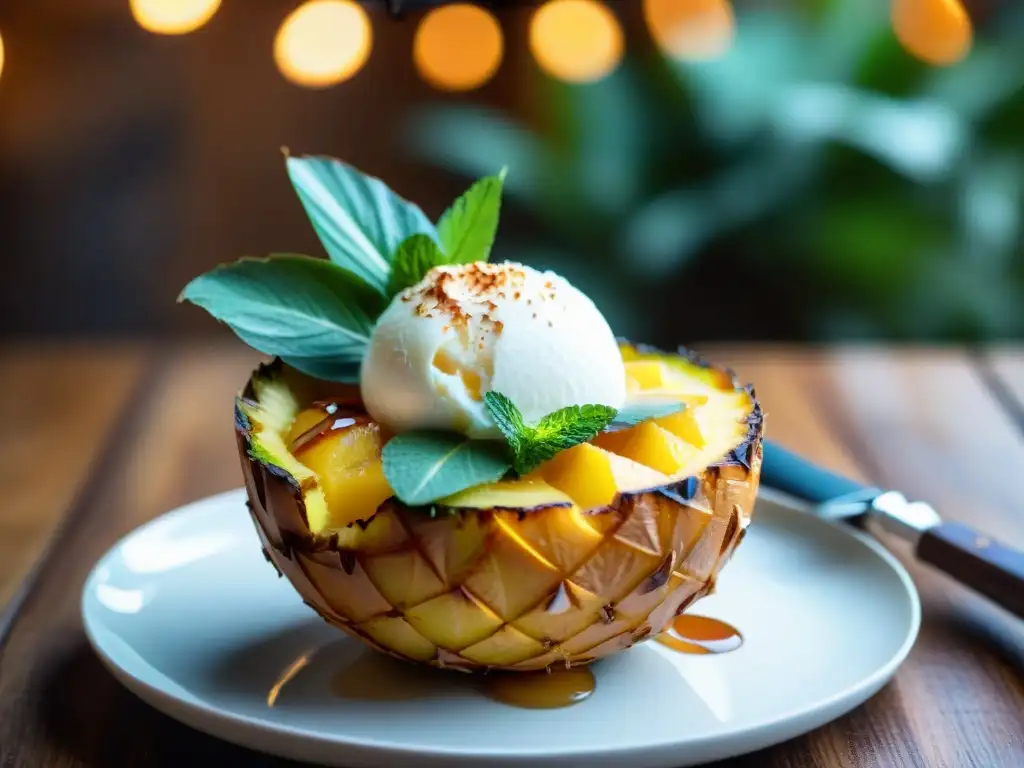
(467,229)
(637,413)
(416,256)
(561,430)
(328,370)
(422,467)
(556,432)
(508,418)
(359,220)
(313,314)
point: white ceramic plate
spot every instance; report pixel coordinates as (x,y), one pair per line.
(189,616)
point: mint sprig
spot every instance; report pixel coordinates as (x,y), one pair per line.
(358,218)
(637,413)
(313,314)
(425,467)
(532,446)
(467,229)
(318,315)
(422,467)
(415,257)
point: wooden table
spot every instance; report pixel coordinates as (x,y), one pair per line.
(98,439)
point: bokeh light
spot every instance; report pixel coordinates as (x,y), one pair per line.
(936,31)
(691,30)
(323,42)
(458,47)
(1,55)
(579,41)
(173,17)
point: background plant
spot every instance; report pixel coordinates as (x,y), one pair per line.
(865,194)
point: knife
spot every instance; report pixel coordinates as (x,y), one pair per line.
(973,558)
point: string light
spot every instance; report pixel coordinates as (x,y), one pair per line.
(936,31)
(323,42)
(173,17)
(458,47)
(691,30)
(578,41)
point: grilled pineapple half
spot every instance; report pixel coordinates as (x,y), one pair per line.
(592,552)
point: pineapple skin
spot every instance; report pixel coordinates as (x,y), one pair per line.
(514,590)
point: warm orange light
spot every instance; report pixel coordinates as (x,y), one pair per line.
(458,47)
(1,55)
(936,31)
(576,40)
(323,42)
(693,30)
(173,17)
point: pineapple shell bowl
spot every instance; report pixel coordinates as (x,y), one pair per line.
(591,553)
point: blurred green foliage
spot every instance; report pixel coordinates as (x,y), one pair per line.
(816,183)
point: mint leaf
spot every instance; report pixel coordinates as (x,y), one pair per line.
(556,432)
(508,419)
(637,413)
(560,431)
(359,220)
(313,314)
(467,229)
(422,467)
(575,424)
(416,256)
(326,369)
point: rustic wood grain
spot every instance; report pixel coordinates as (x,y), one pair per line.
(1004,367)
(787,382)
(926,423)
(58,404)
(923,422)
(58,706)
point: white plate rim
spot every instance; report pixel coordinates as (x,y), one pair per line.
(257,733)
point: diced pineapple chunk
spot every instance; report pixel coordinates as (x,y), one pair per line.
(348,467)
(647,443)
(594,477)
(683,425)
(305,421)
(509,494)
(644,374)
(384,533)
(584,473)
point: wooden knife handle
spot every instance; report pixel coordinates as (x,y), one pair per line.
(977,561)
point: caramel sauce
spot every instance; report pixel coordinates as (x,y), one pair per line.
(540,690)
(700,635)
(335,417)
(375,677)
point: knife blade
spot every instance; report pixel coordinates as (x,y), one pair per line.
(973,558)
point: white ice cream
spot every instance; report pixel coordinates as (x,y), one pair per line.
(466,330)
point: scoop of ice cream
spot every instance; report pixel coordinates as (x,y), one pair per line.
(465,330)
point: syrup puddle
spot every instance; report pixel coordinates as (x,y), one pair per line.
(540,690)
(373,676)
(700,635)
(376,677)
